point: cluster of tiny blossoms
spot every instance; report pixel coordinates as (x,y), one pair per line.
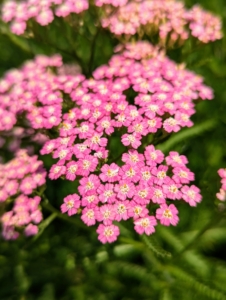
(221,195)
(42,11)
(35,92)
(102,109)
(133,190)
(18,179)
(168,17)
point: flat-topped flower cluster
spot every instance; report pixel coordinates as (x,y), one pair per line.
(139,93)
(33,95)
(221,195)
(42,11)
(133,190)
(169,18)
(18,179)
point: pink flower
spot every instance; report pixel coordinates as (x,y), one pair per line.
(71,170)
(145,225)
(31,230)
(107,234)
(221,195)
(143,194)
(176,160)
(131,140)
(171,190)
(87,165)
(133,158)
(106,214)
(88,184)
(71,204)
(130,173)
(110,173)
(56,171)
(161,174)
(137,211)
(167,214)
(121,210)
(89,216)
(171,124)
(106,193)
(158,195)
(90,200)
(124,189)
(191,194)
(182,175)
(96,141)
(153,156)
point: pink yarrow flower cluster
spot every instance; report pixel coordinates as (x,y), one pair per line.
(221,195)
(43,12)
(36,91)
(18,179)
(117,193)
(169,18)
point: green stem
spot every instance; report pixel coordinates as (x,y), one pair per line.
(59,215)
(186,134)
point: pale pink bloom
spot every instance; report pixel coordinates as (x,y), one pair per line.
(130,173)
(137,211)
(106,193)
(31,230)
(191,194)
(176,160)
(71,204)
(81,150)
(18,27)
(36,216)
(153,157)
(121,210)
(145,225)
(89,216)
(182,175)
(222,173)
(88,184)
(160,174)
(105,214)
(167,214)
(171,190)
(143,194)
(96,141)
(131,140)
(90,200)
(56,171)
(221,195)
(124,190)
(107,234)
(171,124)
(45,17)
(71,170)
(110,173)
(153,124)
(158,195)
(87,165)
(133,158)
(9,233)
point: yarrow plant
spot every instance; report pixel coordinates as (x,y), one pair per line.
(43,12)
(18,179)
(221,195)
(132,103)
(169,18)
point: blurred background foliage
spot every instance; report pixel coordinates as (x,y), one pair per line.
(66,261)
